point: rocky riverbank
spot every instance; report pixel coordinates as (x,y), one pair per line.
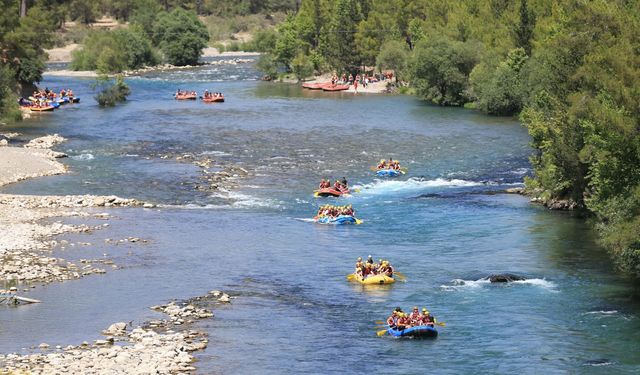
(163,346)
(537,196)
(26,240)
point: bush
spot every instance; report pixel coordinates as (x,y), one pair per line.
(268,66)
(503,92)
(393,55)
(112,92)
(114,51)
(181,36)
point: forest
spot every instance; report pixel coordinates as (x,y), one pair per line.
(569,69)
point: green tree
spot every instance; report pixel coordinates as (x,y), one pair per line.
(504,93)
(524,30)
(338,41)
(440,70)
(268,66)
(393,55)
(180,36)
(302,66)
(287,44)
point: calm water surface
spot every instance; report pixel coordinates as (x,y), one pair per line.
(444,225)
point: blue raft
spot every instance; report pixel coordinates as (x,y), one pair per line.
(415,332)
(388,172)
(338,220)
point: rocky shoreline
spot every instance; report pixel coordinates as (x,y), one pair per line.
(536,196)
(163,346)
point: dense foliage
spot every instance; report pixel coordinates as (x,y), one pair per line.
(114,51)
(569,68)
(180,36)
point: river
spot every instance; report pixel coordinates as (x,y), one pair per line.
(444,225)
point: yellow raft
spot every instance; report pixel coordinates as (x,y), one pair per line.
(374,280)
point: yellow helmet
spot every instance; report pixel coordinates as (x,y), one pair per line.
(424,310)
(359,258)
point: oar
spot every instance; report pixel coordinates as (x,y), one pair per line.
(358,221)
(442,324)
(351,277)
(381,332)
(400,276)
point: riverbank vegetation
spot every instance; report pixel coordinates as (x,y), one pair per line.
(569,69)
(112,91)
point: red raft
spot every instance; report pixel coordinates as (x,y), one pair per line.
(330,192)
(316,85)
(335,88)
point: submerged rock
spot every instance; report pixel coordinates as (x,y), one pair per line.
(504,278)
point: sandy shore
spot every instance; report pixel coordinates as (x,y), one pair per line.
(213,52)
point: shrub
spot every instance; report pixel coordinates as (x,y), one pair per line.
(111,92)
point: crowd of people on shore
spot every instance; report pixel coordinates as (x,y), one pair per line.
(332,211)
(389,164)
(400,320)
(370,268)
(340,185)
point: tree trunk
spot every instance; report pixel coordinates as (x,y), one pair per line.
(23,8)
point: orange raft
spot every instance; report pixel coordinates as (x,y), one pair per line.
(217,99)
(186,97)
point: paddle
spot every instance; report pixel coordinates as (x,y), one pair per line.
(400,276)
(351,277)
(381,332)
(442,324)
(358,221)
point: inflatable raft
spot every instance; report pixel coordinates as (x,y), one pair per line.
(389,172)
(316,86)
(374,280)
(415,332)
(330,192)
(338,220)
(335,87)
(219,99)
(42,109)
(186,97)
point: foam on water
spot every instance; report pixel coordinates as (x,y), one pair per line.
(413,184)
(458,284)
(82,157)
(240,200)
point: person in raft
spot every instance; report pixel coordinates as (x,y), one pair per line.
(340,185)
(208,94)
(400,320)
(335,211)
(369,268)
(390,164)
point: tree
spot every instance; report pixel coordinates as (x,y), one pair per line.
(338,39)
(302,66)
(504,92)
(393,56)
(268,66)
(287,44)
(180,36)
(524,31)
(440,70)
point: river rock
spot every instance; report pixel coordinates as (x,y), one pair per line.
(504,278)
(116,329)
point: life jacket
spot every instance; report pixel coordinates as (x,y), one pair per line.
(391,321)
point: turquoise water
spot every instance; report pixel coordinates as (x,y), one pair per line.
(445,226)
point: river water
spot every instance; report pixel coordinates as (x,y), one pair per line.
(445,225)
